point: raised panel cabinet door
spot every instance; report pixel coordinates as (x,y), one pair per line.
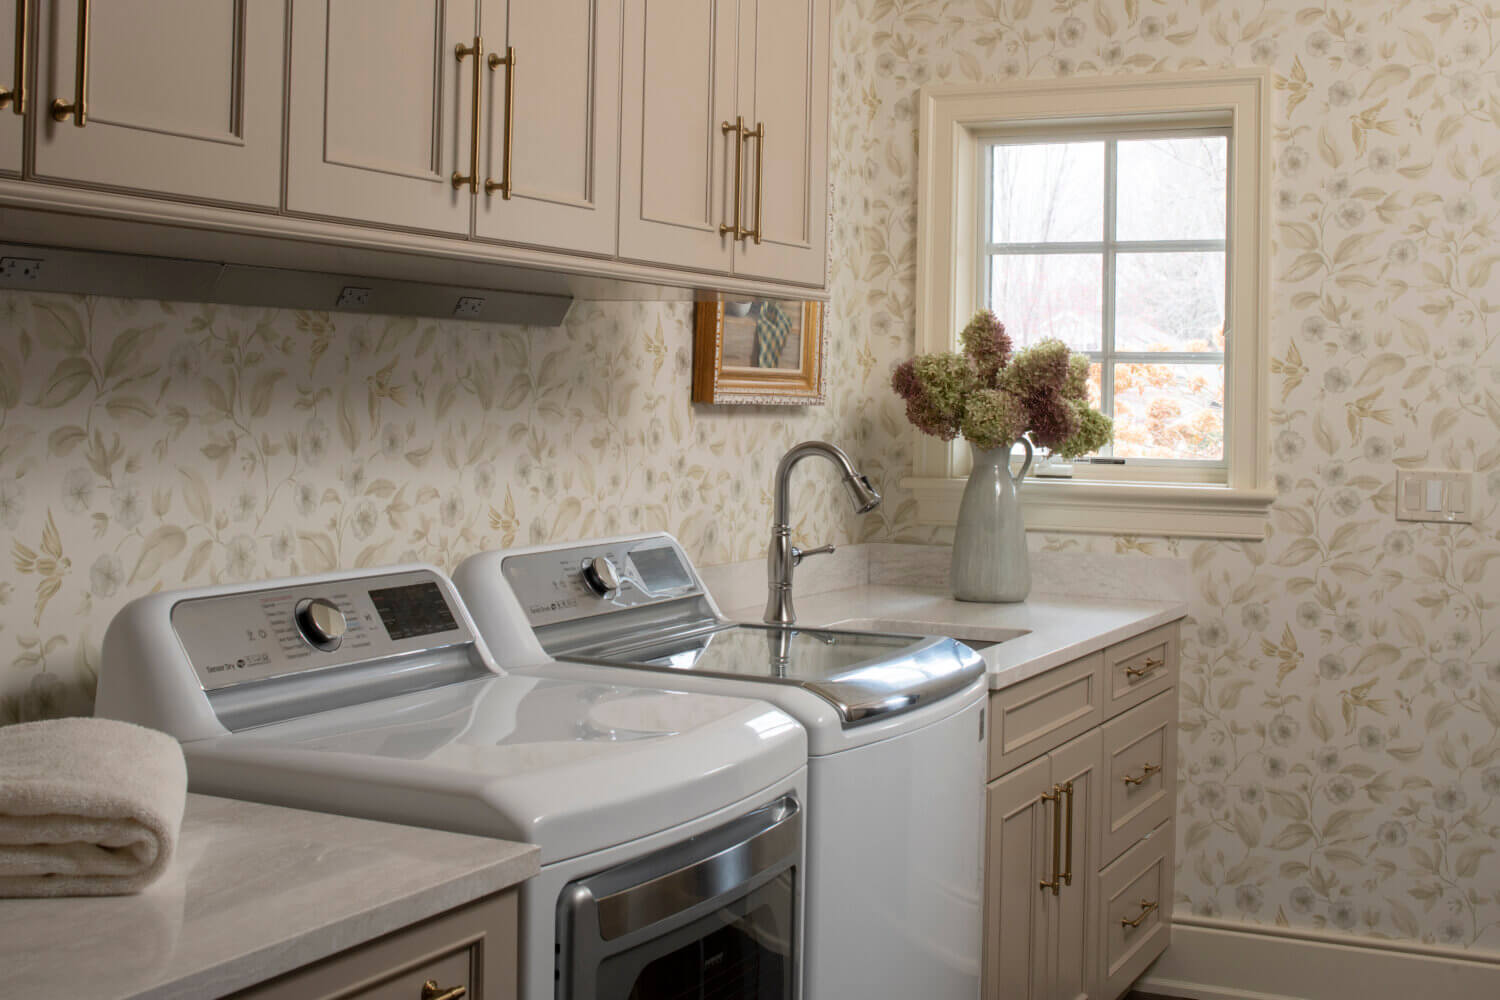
(563,94)
(182,97)
(1077,767)
(676,160)
(1018,855)
(784,95)
(10,120)
(380,112)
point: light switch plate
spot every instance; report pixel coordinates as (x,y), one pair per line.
(1438,495)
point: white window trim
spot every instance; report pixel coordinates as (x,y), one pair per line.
(953,121)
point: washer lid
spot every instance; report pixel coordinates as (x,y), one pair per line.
(572,767)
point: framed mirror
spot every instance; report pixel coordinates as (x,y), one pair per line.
(765,351)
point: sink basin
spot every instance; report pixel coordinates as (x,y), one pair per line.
(973,636)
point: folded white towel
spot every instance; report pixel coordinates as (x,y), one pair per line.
(88,807)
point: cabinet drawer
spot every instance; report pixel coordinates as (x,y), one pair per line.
(475,947)
(1140,768)
(1139,668)
(1043,712)
(1135,906)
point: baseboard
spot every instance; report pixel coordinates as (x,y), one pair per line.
(1219,960)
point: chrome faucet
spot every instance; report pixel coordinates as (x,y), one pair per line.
(783,556)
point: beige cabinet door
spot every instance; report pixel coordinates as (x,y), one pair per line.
(783,86)
(379,116)
(676,162)
(183,97)
(1078,767)
(10,118)
(1018,855)
(563,143)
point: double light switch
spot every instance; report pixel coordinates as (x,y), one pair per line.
(1434,495)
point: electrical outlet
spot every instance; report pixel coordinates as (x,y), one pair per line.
(353,296)
(20,268)
(1435,495)
(469,305)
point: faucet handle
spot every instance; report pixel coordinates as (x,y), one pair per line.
(798,554)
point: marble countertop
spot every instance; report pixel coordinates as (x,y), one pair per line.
(254,891)
(1056,629)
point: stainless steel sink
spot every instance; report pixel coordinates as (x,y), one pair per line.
(973,636)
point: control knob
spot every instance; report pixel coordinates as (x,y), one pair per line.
(601,576)
(321,622)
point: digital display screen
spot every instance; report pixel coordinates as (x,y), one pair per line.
(413,610)
(659,569)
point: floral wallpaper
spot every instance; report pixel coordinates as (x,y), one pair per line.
(1340,716)
(149,445)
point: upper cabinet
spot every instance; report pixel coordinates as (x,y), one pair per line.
(180,97)
(551,98)
(650,142)
(381,116)
(14,50)
(724,143)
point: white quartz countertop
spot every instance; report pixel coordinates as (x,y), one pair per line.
(1056,629)
(254,891)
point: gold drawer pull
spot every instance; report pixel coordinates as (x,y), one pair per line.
(1055,797)
(503,185)
(78,109)
(1146,772)
(1145,668)
(432,991)
(471,179)
(737,230)
(16,96)
(1148,906)
(759,135)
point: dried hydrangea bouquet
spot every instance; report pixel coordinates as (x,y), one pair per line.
(995,397)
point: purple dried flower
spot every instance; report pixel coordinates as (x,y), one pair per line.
(986,343)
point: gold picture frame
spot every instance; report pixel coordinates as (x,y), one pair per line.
(760,351)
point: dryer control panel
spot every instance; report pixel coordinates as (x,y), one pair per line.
(583,581)
(254,635)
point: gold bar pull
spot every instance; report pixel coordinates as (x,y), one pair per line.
(472,177)
(1056,799)
(1146,772)
(432,991)
(509,62)
(738,128)
(759,135)
(1067,875)
(16,97)
(78,110)
(1148,906)
(1145,668)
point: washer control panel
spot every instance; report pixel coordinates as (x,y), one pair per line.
(257,634)
(566,584)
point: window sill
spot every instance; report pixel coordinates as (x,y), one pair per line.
(1115,508)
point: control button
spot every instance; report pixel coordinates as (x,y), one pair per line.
(321,622)
(601,576)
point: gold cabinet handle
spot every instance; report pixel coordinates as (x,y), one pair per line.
(472,177)
(79,108)
(759,135)
(1145,668)
(1146,772)
(16,96)
(1067,875)
(509,62)
(432,991)
(738,128)
(1148,906)
(1055,797)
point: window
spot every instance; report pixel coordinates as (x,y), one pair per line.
(1125,217)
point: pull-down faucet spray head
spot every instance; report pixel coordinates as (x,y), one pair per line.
(862,493)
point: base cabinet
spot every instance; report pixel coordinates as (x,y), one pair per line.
(471,952)
(1079,845)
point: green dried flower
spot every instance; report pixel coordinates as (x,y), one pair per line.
(1077,387)
(993,419)
(1095,430)
(986,344)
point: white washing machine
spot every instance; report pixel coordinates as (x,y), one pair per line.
(895,734)
(671,826)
